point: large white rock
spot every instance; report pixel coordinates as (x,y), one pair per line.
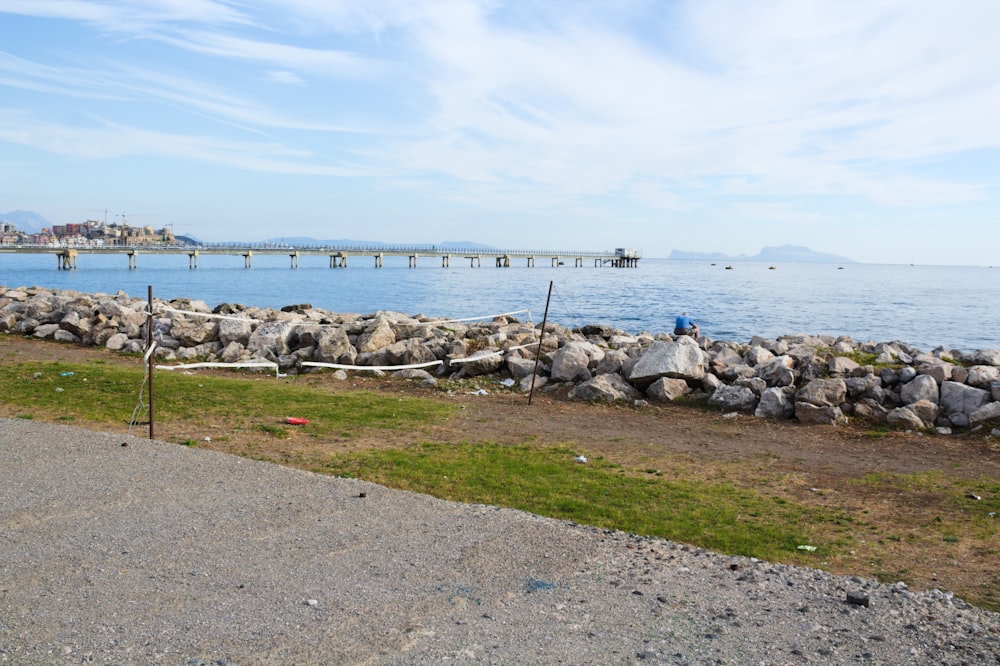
(571,363)
(681,359)
(983,376)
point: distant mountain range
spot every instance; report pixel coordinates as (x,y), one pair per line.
(26,221)
(776,254)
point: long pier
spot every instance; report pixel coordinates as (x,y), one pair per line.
(67,256)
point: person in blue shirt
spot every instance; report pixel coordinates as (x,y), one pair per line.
(684,325)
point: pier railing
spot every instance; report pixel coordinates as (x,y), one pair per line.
(338,253)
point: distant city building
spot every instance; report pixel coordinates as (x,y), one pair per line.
(90,232)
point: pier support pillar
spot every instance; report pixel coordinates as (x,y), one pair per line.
(133,259)
(66,260)
(555,262)
(474,261)
(413,261)
(193,259)
(503,261)
(445,260)
(248,259)
(531,262)
(578,263)
(295,259)
(378,260)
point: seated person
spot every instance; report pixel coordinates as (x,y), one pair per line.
(684,325)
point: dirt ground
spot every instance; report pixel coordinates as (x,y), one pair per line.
(815,465)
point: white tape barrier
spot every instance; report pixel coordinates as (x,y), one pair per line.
(149,352)
(166,308)
(193,366)
(341,366)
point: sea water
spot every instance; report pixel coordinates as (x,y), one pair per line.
(925,306)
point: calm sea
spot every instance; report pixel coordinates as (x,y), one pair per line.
(926,306)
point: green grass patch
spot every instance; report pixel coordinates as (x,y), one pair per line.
(548,482)
(104,393)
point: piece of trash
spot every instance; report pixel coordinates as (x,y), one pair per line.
(362,495)
(731,415)
(59,389)
(208,439)
(974,496)
(66,374)
(992,514)
(808,548)
(312,602)
(296,420)
(581,459)
(37,375)
(507,382)
(480,392)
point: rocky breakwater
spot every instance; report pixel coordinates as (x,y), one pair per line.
(815,379)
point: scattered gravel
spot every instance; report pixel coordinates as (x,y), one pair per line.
(121,550)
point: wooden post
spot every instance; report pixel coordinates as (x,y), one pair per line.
(541,336)
(149,361)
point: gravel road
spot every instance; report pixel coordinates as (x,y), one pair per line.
(120,550)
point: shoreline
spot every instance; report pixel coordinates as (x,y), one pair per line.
(813,379)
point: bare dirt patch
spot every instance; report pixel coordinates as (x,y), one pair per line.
(896,531)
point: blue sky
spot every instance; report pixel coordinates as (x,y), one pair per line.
(862,128)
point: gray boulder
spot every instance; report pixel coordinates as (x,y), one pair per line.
(809,413)
(234,330)
(733,398)
(605,388)
(520,367)
(984,357)
(331,345)
(409,352)
(481,363)
(841,365)
(776,403)
(988,412)
(905,417)
(271,339)
(961,399)
(778,371)
(823,392)
(378,335)
(666,389)
(922,387)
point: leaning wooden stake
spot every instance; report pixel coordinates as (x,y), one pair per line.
(149,356)
(541,336)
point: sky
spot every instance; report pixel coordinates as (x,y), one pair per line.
(863,128)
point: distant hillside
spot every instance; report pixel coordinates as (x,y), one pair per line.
(26,221)
(781,253)
(444,245)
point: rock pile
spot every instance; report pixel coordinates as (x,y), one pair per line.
(815,379)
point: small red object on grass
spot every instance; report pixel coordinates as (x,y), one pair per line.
(295,420)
